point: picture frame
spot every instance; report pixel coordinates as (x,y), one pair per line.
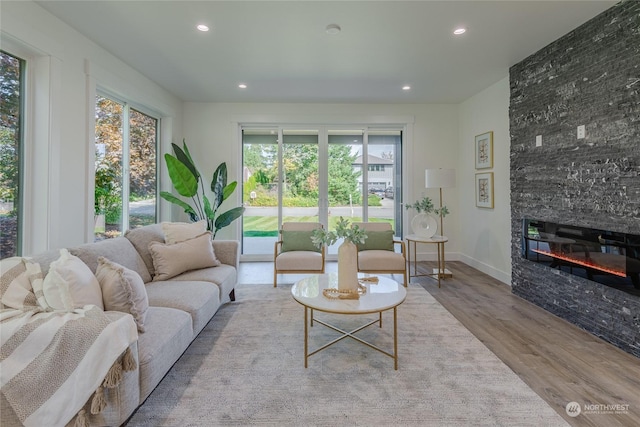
(484,150)
(484,190)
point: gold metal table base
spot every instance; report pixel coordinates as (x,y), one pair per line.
(439,273)
(350,334)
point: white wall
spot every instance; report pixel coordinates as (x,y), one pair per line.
(485,235)
(69,66)
(211,132)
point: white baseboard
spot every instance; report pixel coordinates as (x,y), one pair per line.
(486,268)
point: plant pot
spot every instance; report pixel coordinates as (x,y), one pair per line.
(348,267)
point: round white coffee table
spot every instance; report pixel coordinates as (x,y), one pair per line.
(385,295)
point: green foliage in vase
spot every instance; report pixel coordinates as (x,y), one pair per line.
(426,205)
(353,234)
(186,179)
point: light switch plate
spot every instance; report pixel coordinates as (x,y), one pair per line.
(581,132)
(538,140)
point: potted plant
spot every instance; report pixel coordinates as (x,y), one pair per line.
(347,251)
(186,179)
(423,224)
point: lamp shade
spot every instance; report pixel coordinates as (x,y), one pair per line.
(439,178)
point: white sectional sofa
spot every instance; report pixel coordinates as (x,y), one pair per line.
(179,308)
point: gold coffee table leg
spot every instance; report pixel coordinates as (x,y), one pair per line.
(306,337)
(395,338)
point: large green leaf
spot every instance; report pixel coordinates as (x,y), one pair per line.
(218,183)
(229,189)
(173,199)
(183,180)
(207,208)
(186,159)
(228,217)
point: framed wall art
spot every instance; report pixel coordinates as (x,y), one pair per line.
(484,190)
(484,150)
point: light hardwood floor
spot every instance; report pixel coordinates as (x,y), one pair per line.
(558,360)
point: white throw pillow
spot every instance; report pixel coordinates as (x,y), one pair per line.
(70,284)
(123,290)
(176,232)
(171,260)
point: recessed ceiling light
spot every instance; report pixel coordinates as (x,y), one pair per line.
(459,31)
(406,87)
(333,29)
(242,86)
(202,28)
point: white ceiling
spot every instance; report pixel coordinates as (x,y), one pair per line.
(281,51)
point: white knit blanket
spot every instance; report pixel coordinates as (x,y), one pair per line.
(52,362)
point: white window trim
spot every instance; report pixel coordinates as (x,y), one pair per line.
(41,146)
(101,81)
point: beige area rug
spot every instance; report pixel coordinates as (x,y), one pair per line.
(247,368)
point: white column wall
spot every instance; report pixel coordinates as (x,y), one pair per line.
(485,235)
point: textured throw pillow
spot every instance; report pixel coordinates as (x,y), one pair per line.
(15,283)
(377,240)
(171,260)
(70,284)
(297,241)
(123,290)
(176,232)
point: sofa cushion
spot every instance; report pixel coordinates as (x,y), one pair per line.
(141,237)
(200,299)
(224,276)
(169,333)
(70,284)
(171,260)
(176,232)
(123,290)
(118,250)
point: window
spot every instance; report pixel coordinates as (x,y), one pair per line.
(11,144)
(125,168)
(317,173)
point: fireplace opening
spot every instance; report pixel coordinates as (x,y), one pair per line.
(606,257)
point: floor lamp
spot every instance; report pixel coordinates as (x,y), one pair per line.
(440,178)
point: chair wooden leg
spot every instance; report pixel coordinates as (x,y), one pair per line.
(275,278)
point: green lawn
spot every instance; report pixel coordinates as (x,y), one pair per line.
(267,226)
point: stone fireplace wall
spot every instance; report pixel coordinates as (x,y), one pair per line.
(590,77)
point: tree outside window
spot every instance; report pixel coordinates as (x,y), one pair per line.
(11,92)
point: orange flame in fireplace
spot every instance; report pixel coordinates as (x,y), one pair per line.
(581,262)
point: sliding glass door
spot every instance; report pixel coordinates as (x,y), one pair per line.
(317,174)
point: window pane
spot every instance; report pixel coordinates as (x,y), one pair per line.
(300,176)
(260,190)
(385,177)
(142,165)
(11,89)
(345,179)
(108,184)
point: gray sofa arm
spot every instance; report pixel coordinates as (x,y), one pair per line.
(228,252)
